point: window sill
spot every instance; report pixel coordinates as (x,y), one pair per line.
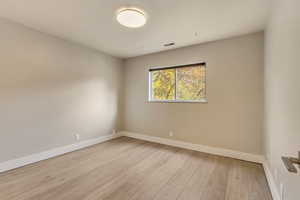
(174,101)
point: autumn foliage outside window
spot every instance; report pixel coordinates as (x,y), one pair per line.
(178,84)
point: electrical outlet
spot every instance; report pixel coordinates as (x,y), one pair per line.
(171,134)
(281,191)
(77,136)
(114,132)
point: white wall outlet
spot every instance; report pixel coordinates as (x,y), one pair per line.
(114,132)
(281,191)
(171,134)
(77,136)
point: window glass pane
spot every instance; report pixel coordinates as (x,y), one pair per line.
(163,84)
(191,83)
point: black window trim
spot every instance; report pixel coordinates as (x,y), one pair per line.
(177,66)
(150,100)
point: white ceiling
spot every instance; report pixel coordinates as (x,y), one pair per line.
(92,22)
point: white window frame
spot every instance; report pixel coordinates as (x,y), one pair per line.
(150,100)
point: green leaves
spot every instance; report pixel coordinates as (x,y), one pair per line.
(182,84)
(163,84)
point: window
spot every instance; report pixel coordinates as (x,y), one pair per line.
(186,83)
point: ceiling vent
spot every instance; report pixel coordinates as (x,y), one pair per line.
(169,44)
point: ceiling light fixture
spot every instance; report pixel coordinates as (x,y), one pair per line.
(131,17)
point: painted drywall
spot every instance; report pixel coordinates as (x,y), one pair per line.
(93,22)
(233,116)
(51,89)
(282,93)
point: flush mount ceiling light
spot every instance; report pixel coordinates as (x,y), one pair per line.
(131,17)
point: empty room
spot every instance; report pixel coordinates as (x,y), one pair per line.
(149,100)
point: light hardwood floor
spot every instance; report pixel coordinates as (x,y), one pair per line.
(130,169)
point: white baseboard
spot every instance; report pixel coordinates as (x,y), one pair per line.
(215,151)
(19,162)
(271,181)
(16,163)
(198,147)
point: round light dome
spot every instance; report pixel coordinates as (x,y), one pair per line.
(131,17)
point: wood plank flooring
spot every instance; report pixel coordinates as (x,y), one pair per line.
(130,169)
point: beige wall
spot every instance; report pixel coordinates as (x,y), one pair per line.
(231,119)
(51,89)
(282,97)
